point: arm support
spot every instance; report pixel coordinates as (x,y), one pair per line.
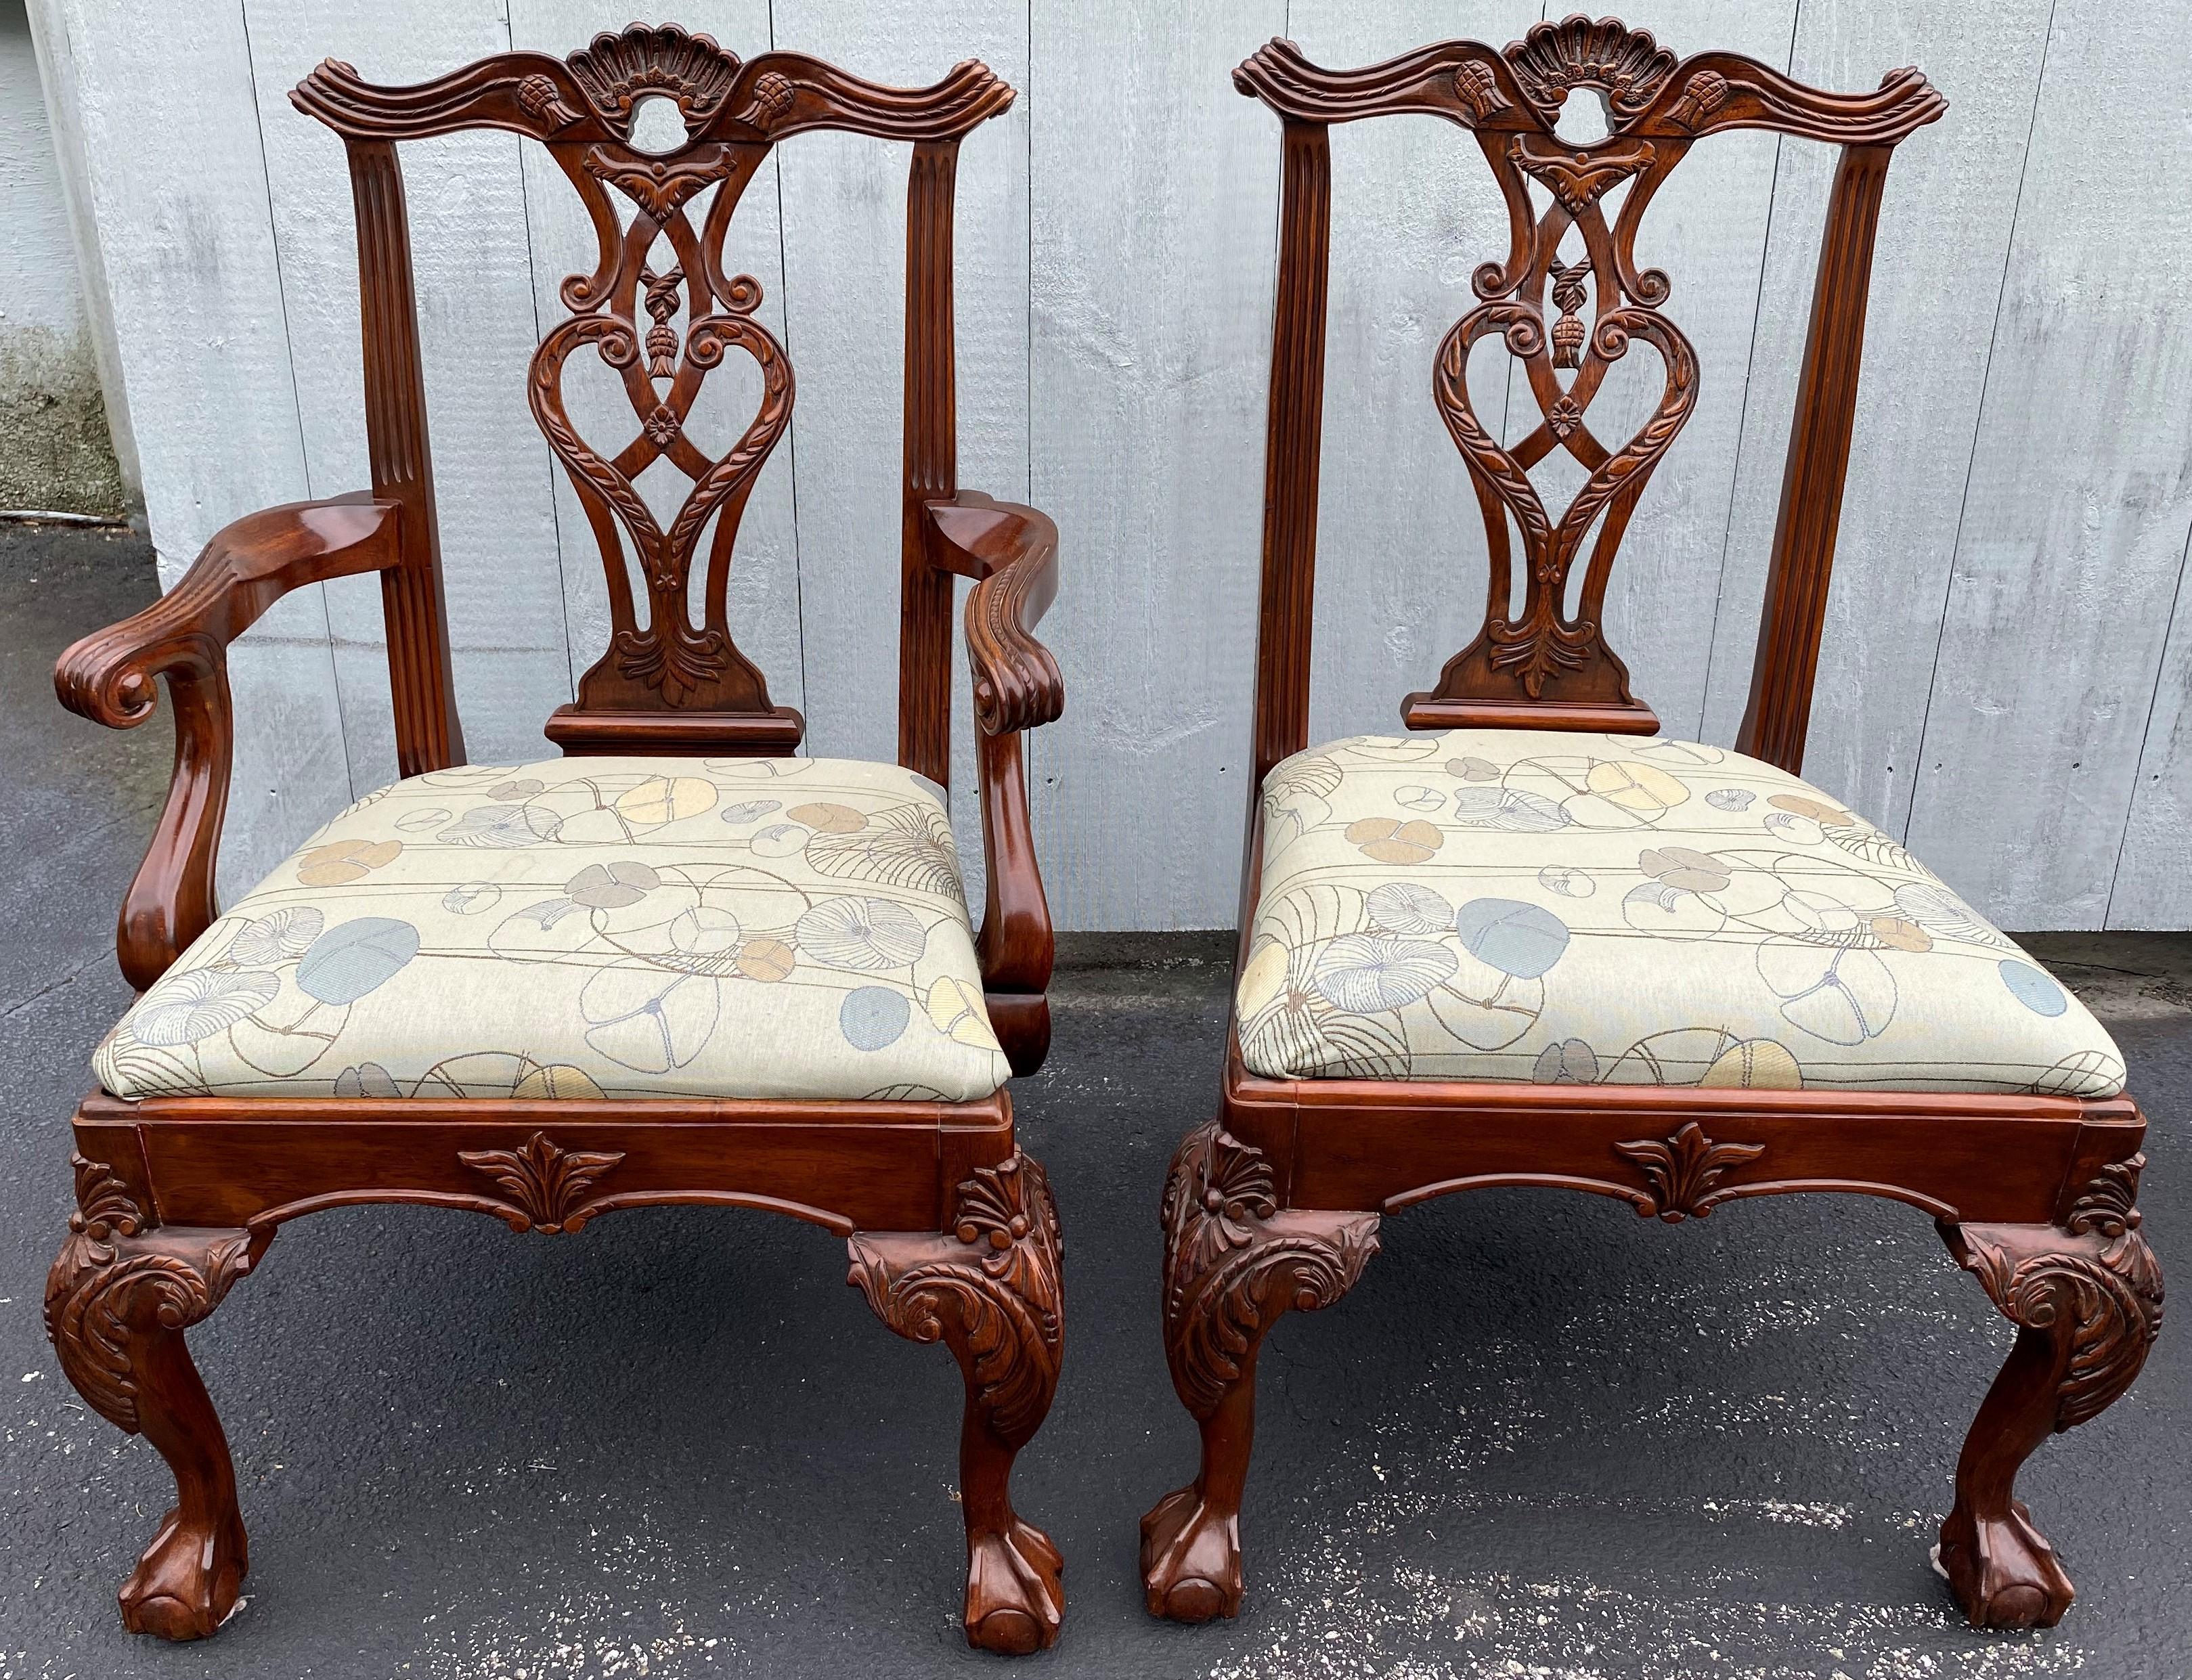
(1011,552)
(184,636)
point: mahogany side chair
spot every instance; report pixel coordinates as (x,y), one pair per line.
(679,963)
(1534,942)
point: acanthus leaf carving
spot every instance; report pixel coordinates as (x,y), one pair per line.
(990,1283)
(1684,1169)
(546,1184)
(1578,178)
(1235,1261)
(114,1274)
(2096,1275)
(661,185)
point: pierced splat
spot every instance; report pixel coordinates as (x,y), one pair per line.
(660,659)
(672,678)
(1567,318)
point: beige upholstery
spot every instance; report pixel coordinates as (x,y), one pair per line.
(623,927)
(1526,905)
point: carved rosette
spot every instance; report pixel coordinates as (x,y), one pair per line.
(113,1276)
(1235,1261)
(990,1286)
(1684,1170)
(2096,1276)
(547,1185)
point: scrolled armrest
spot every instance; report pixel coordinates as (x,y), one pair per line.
(184,636)
(1011,551)
(245,569)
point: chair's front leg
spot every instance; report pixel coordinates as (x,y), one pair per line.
(989,1289)
(1234,1261)
(2085,1297)
(117,1301)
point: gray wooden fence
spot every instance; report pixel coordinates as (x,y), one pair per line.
(2005,677)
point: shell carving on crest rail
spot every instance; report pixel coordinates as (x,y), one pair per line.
(658,308)
(1568,301)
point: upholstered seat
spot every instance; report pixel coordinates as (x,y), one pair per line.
(1528,905)
(622,927)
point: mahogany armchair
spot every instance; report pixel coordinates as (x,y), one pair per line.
(1544,945)
(678,965)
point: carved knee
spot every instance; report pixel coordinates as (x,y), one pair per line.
(1235,1261)
(2085,1297)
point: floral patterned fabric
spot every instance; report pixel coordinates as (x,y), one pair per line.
(1526,905)
(618,927)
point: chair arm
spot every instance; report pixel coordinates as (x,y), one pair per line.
(184,636)
(1011,552)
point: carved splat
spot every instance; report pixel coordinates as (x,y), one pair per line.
(1568,300)
(659,311)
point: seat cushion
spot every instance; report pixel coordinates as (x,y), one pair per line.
(619,927)
(1526,905)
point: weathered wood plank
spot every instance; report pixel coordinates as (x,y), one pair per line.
(1154,211)
(844,231)
(190,258)
(2153,885)
(473,275)
(2080,493)
(1930,322)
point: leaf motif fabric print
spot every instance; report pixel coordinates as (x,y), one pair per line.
(1364,973)
(186,1009)
(599,928)
(286,935)
(866,934)
(1580,908)
(909,847)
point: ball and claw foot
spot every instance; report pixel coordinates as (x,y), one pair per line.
(2085,1297)
(1015,1592)
(1190,1558)
(1235,1262)
(2003,1571)
(186,1585)
(988,1287)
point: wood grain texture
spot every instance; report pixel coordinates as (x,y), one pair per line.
(1928,333)
(172,81)
(187,637)
(845,243)
(2075,514)
(1147,446)
(491,511)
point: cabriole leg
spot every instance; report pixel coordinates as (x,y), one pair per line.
(117,1301)
(2085,1297)
(989,1289)
(1234,1261)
